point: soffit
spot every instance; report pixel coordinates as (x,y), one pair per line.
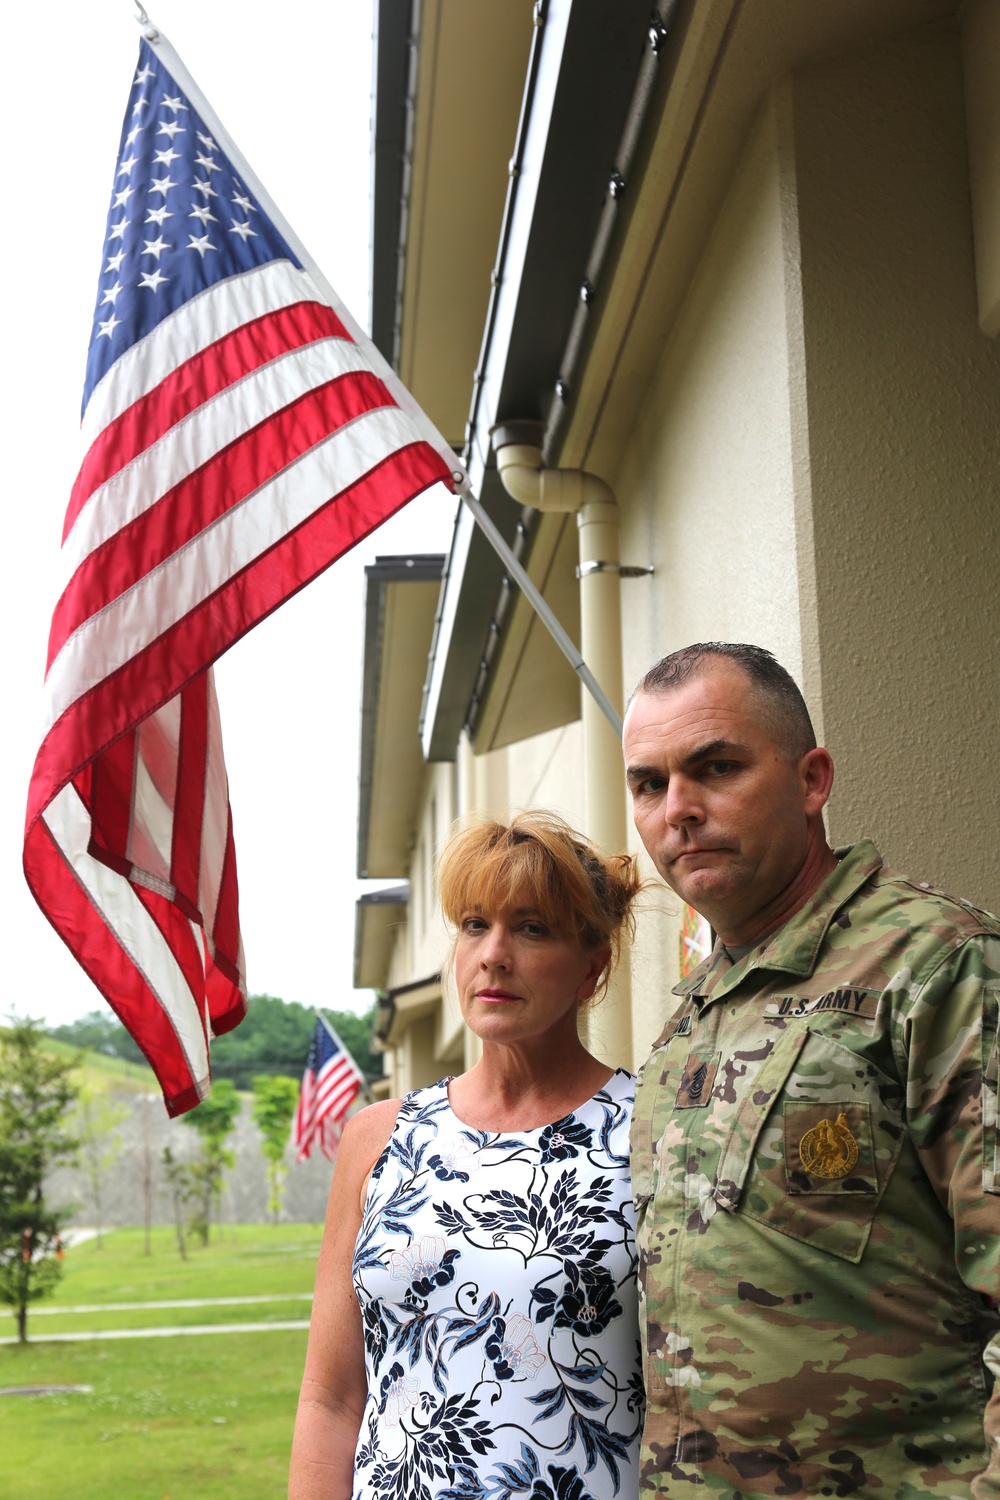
(401,596)
(472,62)
(720,62)
(532,687)
(589,56)
(377,917)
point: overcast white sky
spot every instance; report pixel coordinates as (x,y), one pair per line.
(292,84)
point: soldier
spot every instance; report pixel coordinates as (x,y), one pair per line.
(815,1154)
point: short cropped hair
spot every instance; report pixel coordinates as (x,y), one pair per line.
(579,892)
(782,704)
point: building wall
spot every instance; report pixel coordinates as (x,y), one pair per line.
(708,486)
(904,457)
(815,467)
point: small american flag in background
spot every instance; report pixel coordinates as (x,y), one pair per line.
(330,1084)
(240,434)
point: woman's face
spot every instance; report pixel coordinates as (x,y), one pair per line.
(518,979)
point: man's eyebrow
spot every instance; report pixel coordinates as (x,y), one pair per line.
(639,773)
(718,749)
(714,749)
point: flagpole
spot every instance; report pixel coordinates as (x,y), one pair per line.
(459,475)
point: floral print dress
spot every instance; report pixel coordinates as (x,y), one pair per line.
(496,1276)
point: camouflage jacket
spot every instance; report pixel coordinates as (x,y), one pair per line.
(816,1176)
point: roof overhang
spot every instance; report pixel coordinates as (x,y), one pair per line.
(377,914)
(401,1007)
(401,596)
(447,94)
(576,90)
(588,89)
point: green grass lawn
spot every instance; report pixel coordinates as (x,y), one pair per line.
(243,1260)
(199,1417)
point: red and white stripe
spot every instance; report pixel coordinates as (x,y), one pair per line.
(233,454)
(323,1103)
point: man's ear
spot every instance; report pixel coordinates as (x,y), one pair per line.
(816,774)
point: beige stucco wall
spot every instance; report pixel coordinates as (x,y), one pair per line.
(708,487)
(904,459)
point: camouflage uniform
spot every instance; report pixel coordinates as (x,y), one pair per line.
(816,1176)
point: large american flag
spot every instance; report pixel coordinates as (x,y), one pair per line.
(330,1084)
(240,434)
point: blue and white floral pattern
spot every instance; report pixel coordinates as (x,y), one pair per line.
(496,1276)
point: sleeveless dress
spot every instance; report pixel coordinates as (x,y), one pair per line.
(496,1276)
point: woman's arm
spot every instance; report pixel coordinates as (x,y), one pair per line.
(334,1387)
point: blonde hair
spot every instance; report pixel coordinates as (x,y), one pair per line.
(487,865)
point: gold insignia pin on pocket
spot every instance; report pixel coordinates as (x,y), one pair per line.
(829,1149)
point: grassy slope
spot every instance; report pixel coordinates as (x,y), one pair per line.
(105,1075)
(203,1417)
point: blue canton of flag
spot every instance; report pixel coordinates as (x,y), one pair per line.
(180,220)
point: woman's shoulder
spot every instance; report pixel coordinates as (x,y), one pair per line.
(367,1134)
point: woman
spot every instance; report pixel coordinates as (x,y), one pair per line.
(475,1324)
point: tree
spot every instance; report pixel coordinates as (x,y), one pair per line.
(35,1094)
(274,1037)
(178,1180)
(99,1031)
(214,1120)
(98,1117)
(274,1101)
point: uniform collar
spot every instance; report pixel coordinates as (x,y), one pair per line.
(795,947)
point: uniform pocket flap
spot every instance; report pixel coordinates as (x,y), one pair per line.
(737,1152)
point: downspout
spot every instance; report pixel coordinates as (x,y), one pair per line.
(519,465)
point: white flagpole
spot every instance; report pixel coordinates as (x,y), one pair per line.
(460,478)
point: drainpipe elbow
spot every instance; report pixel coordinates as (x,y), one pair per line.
(519,464)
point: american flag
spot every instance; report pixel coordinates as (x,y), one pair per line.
(240,434)
(331,1082)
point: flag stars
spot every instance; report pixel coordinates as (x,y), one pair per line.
(139,104)
(117,230)
(112,293)
(114,262)
(174,103)
(164,158)
(206,141)
(161,185)
(243,202)
(122,198)
(153,279)
(156,247)
(203,213)
(107,328)
(171,128)
(207,163)
(144,75)
(134,134)
(157,215)
(204,187)
(243,230)
(201,245)
(127,165)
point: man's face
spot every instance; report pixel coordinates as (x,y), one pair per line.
(728,822)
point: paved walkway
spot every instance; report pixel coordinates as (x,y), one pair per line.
(166,1333)
(92,1307)
(175,1331)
